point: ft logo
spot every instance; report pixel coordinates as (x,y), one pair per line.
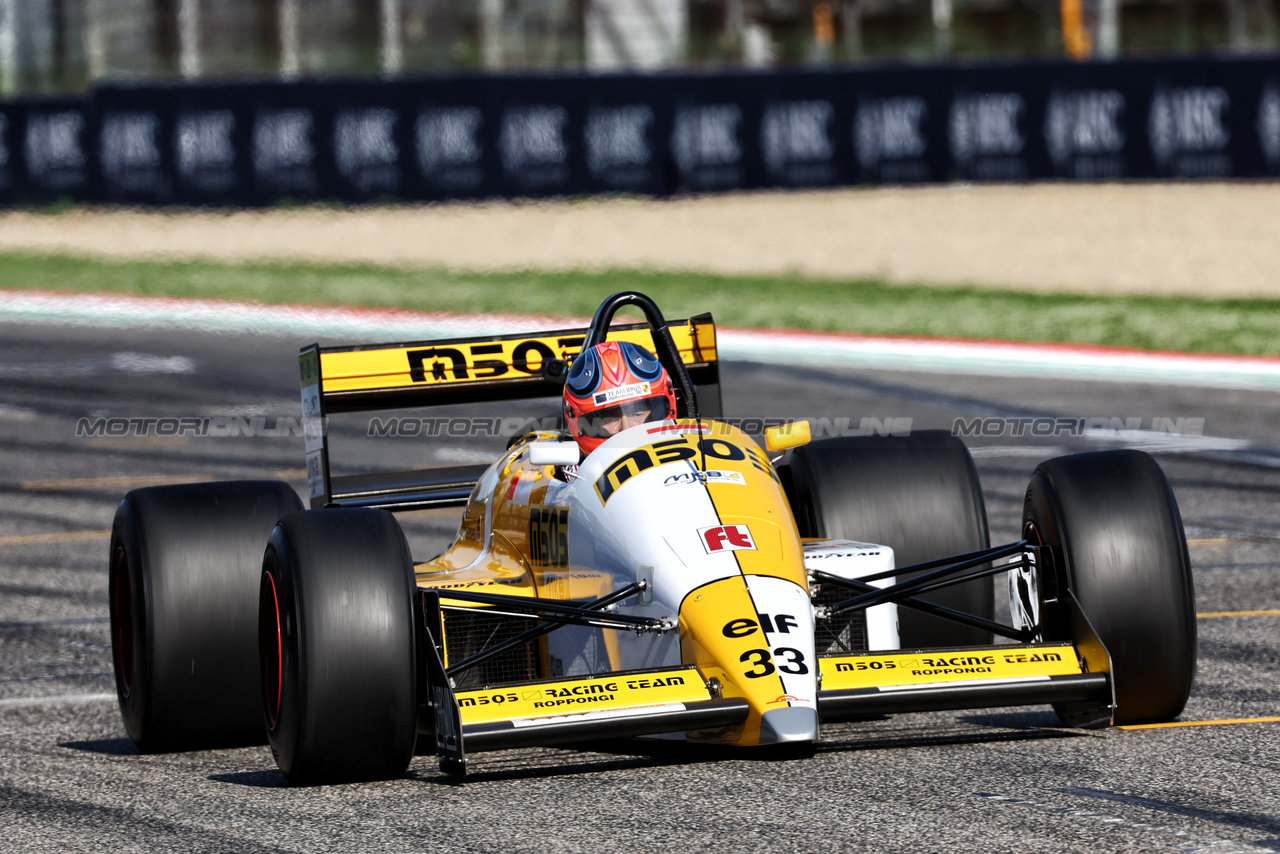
(726,538)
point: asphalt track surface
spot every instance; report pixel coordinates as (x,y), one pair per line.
(990,780)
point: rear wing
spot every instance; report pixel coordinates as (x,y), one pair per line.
(373,377)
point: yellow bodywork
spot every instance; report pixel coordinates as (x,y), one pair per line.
(586,694)
(524,556)
(737,662)
(929,667)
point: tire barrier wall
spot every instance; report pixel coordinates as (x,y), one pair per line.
(482,136)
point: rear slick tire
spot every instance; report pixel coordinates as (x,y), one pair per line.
(183,595)
(336,647)
(917,494)
(1116,527)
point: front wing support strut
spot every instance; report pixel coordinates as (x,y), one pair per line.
(938,574)
(942,611)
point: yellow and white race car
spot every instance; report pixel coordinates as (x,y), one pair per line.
(680,581)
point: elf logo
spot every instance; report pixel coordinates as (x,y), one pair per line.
(726,538)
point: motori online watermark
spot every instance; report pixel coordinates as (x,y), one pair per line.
(1047,426)
(507,427)
(458,427)
(213,426)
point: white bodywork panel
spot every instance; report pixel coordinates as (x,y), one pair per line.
(849,559)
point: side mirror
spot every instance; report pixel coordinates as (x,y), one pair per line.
(791,435)
(554,453)
(555,371)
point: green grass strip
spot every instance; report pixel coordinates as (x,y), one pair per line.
(1243,326)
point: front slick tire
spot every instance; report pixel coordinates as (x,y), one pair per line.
(917,494)
(336,647)
(1115,523)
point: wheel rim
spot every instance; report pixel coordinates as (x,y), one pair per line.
(270,650)
(1052,619)
(1032,533)
(122,622)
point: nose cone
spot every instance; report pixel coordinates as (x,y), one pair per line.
(796,723)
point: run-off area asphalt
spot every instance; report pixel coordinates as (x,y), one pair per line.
(988,780)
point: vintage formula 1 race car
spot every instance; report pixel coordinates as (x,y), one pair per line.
(680,581)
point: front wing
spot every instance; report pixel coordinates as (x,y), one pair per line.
(1074,677)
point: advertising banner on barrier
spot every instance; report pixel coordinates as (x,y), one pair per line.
(57,149)
(46,150)
(476,136)
(624,138)
(451,145)
(898,128)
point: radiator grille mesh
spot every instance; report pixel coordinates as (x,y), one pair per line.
(472,631)
(842,634)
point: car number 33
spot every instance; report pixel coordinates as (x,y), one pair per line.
(793,662)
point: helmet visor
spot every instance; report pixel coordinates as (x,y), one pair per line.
(612,420)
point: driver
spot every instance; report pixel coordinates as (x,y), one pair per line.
(613,386)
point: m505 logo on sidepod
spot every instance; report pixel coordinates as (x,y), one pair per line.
(730,538)
(548,535)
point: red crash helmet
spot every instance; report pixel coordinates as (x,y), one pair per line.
(613,386)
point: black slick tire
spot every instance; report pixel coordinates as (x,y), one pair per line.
(919,495)
(1123,553)
(183,590)
(336,647)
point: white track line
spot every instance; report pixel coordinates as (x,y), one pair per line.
(104,309)
(56,698)
(995,358)
(986,358)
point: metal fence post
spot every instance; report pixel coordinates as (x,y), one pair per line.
(392,43)
(8,47)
